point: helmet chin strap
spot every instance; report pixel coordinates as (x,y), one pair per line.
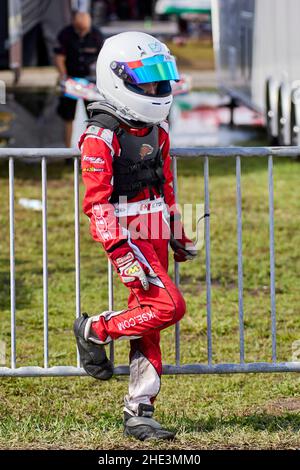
(108,108)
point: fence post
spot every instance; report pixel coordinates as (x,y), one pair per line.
(77,243)
(45,260)
(176,266)
(272,256)
(207,260)
(240,257)
(12,261)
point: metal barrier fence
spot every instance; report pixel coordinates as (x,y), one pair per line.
(210,368)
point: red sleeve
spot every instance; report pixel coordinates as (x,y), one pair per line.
(97,153)
(168,187)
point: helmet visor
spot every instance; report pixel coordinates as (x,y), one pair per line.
(152,69)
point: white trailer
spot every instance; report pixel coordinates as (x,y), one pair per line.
(257,49)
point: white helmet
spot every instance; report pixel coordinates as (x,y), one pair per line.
(129,59)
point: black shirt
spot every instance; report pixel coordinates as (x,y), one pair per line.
(80,52)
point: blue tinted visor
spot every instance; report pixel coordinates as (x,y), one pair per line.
(152,69)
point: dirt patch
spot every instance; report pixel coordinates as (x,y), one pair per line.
(284,404)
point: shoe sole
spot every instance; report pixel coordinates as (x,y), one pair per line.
(166,437)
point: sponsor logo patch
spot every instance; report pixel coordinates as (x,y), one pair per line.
(143,207)
(107,136)
(104,134)
(155,46)
(97,210)
(136,320)
(97,160)
(145,150)
(93,130)
(124,259)
(101,225)
(93,170)
(132,270)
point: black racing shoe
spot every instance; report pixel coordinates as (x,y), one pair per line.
(143,427)
(92,355)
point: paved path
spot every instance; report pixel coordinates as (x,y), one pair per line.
(203,79)
(31,78)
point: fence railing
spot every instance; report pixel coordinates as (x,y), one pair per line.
(43,155)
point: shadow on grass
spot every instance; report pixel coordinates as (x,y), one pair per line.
(23,293)
(256,422)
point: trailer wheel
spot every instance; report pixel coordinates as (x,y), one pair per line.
(295,125)
(272,140)
(280,119)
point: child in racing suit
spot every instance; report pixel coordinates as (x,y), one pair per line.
(129,199)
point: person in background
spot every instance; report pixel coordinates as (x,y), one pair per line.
(76,52)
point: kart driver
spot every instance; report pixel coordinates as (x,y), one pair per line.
(130,202)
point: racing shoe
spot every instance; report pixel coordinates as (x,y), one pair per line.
(92,355)
(143,427)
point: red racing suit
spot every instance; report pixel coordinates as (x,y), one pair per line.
(148,311)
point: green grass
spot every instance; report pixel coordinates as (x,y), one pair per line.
(233,411)
(194,55)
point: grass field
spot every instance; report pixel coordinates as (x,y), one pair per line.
(194,55)
(209,412)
